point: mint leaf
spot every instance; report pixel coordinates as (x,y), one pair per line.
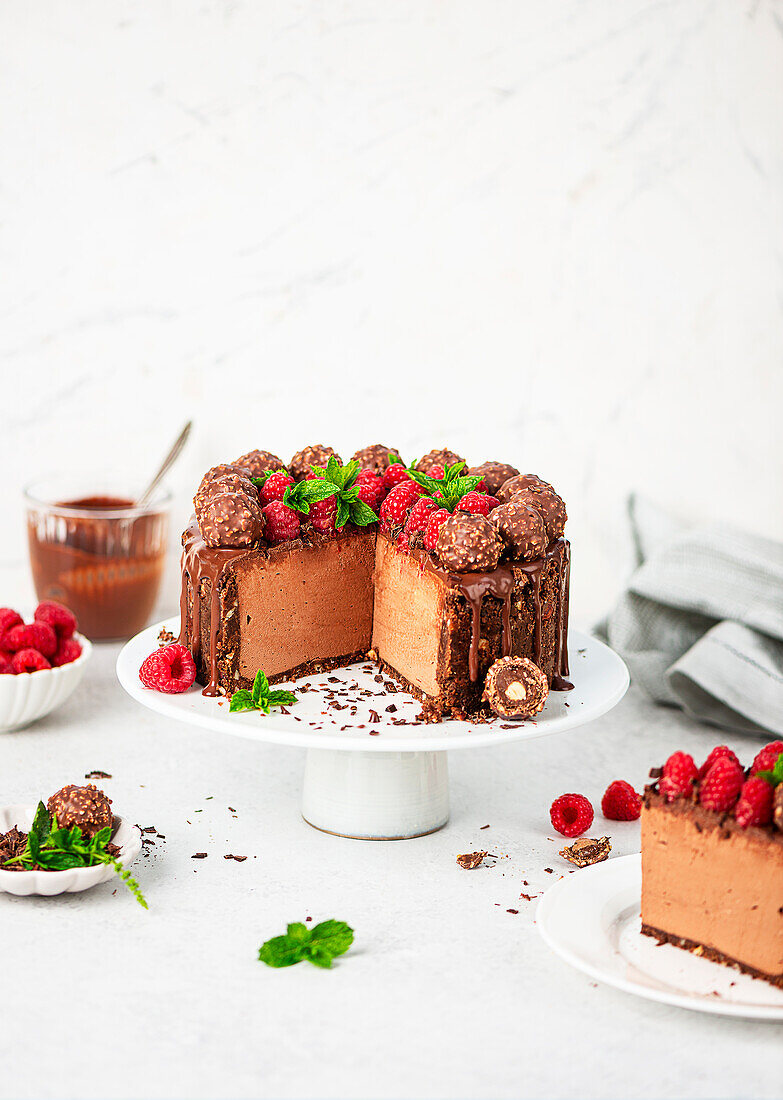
(350,473)
(429,484)
(775,776)
(241,700)
(334,472)
(450,472)
(334,936)
(40,828)
(281,951)
(280,698)
(343,512)
(362,514)
(260,687)
(298,932)
(305,493)
(319,956)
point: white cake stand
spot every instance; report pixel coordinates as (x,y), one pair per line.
(365,776)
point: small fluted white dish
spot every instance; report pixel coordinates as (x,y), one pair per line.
(48,883)
(32,695)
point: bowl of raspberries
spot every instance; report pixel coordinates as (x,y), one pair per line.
(41,662)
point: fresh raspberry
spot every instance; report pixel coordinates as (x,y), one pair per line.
(621,802)
(67,651)
(394,475)
(28,660)
(323,514)
(721,752)
(274,487)
(679,774)
(434,524)
(38,636)
(394,509)
(282,522)
(755,802)
(478,503)
(767,757)
(571,814)
(437,472)
(482,488)
(721,785)
(59,618)
(170,670)
(419,515)
(8,620)
(370,490)
(6,667)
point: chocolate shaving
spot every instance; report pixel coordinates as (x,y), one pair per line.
(470,860)
(199,855)
(585,852)
(239,859)
(97,775)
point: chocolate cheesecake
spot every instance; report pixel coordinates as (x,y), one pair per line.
(297,573)
(712,878)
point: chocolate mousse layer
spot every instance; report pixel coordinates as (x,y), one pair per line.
(713,887)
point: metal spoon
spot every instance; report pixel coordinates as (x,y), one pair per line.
(165,466)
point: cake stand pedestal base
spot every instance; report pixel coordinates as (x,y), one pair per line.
(376,795)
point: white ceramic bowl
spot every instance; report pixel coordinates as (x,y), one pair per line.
(30,695)
(48,883)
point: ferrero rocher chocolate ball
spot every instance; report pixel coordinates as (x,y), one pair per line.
(522,530)
(515,688)
(227,483)
(259,462)
(441,457)
(468,543)
(224,468)
(375,457)
(517,483)
(317,455)
(494,474)
(231,521)
(549,504)
(86,807)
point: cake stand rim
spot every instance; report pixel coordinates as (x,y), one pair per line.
(427,738)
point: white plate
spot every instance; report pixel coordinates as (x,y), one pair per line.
(48,883)
(591,918)
(599,676)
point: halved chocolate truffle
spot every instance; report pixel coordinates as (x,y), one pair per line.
(515,687)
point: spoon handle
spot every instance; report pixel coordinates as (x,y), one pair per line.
(166,465)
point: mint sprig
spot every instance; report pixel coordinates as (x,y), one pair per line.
(451,488)
(335,481)
(775,776)
(54,849)
(304,493)
(318,945)
(261,697)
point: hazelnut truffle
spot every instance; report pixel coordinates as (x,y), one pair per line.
(441,457)
(468,543)
(86,807)
(317,455)
(212,475)
(259,462)
(231,521)
(515,688)
(518,482)
(521,529)
(549,504)
(494,474)
(375,457)
(226,483)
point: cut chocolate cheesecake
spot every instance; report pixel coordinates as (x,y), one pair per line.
(712,878)
(297,577)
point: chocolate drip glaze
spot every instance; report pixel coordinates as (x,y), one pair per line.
(201,562)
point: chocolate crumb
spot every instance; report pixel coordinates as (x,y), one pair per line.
(485,826)
(164,638)
(199,855)
(97,775)
(549,870)
(239,859)
(374,716)
(586,851)
(514,911)
(470,860)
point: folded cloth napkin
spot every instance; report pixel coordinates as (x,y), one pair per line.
(700,623)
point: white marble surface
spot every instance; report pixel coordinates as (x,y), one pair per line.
(550,232)
(445,993)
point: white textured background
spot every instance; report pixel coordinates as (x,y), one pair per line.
(545,232)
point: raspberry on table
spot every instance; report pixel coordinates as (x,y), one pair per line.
(8,619)
(767,757)
(721,785)
(28,660)
(395,475)
(571,814)
(419,515)
(755,803)
(59,618)
(67,651)
(434,524)
(38,636)
(282,522)
(274,487)
(718,753)
(679,775)
(394,510)
(323,514)
(621,802)
(170,670)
